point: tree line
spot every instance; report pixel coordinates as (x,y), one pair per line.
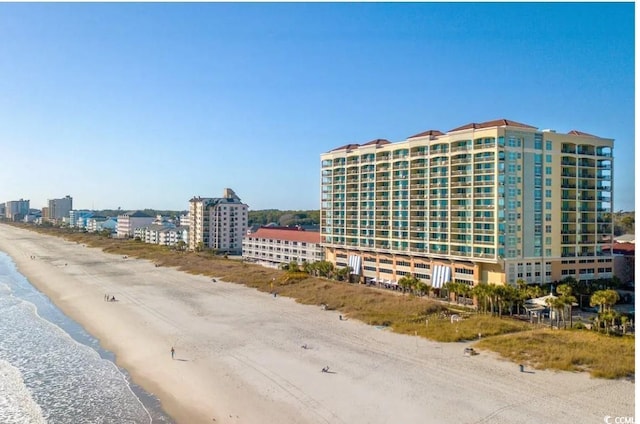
(284,218)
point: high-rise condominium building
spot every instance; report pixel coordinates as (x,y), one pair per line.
(60,208)
(15,210)
(492,202)
(218,223)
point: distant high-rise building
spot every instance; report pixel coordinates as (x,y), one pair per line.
(218,223)
(15,210)
(60,208)
(493,202)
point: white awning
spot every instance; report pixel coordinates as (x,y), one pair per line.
(441,275)
(355,263)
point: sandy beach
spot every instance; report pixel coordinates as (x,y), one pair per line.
(239,355)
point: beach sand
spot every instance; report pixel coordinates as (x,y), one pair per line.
(239,357)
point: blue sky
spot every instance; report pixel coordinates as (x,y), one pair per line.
(146,105)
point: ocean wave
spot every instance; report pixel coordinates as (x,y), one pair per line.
(67,381)
(17,405)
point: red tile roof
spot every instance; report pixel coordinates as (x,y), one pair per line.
(430,133)
(346,147)
(377,142)
(494,123)
(290,234)
(624,248)
(576,132)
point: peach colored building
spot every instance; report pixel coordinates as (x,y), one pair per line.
(218,223)
(490,202)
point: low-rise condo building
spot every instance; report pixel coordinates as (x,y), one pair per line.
(274,246)
(130,221)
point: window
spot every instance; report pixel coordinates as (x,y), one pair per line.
(548,145)
(547,170)
(537,143)
(548,158)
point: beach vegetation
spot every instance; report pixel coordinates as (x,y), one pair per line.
(410,312)
(573,350)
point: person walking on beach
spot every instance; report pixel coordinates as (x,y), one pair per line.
(173,352)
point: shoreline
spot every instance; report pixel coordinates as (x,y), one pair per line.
(239,357)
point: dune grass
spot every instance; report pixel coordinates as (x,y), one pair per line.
(602,356)
(576,350)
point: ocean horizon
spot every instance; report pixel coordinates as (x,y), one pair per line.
(53,371)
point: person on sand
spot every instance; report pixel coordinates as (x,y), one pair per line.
(173,352)
(325,369)
(113,298)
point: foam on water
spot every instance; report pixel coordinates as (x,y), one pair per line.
(46,375)
(17,406)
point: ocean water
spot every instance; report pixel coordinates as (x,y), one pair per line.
(52,371)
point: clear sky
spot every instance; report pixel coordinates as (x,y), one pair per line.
(146,105)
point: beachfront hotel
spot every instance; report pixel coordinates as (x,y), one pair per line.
(275,246)
(218,223)
(490,202)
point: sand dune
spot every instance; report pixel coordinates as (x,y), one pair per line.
(239,357)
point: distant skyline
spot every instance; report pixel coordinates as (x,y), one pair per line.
(145,105)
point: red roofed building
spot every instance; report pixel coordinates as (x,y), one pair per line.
(274,246)
(624,255)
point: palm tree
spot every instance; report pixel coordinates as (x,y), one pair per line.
(342,274)
(623,321)
(453,287)
(404,283)
(555,304)
(501,294)
(481,291)
(422,287)
(604,299)
(465,290)
(323,268)
(564,290)
(521,293)
(293,267)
